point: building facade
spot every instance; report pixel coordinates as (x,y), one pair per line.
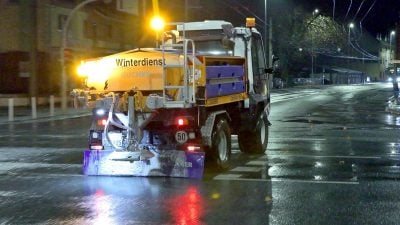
(31,39)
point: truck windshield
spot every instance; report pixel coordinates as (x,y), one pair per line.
(212,47)
(209,42)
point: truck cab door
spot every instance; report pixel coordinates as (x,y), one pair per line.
(260,76)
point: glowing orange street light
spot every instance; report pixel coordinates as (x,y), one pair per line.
(157,23)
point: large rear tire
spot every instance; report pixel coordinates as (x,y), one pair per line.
(255,141)
(221,145)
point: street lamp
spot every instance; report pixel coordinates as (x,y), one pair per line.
(265,26)
(351,26)
(392,33)
(157,24)
(64,32)
(315,12)
(63,90)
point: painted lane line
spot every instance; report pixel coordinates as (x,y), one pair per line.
(299,139)
(227,176)
(326,156)
(240,179)
(286,99)
(8,193)
(246,169)
(315,181)
(257,163)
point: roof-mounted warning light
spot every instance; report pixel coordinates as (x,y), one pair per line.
(250,22)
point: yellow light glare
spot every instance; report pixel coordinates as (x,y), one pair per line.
(157,23)
(82,70)
(99,71)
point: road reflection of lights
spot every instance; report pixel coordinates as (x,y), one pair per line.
(389,119)
(317,177)
(215,196)
(393,147)
(393,120)
(318,164)
(317,146)
(101,209)
(187,209)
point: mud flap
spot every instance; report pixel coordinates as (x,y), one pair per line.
(170,163)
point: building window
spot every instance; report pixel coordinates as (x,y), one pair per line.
(62,19)
(109,32)
(90,29)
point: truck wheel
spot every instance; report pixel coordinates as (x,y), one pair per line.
(254,141)
(221,145)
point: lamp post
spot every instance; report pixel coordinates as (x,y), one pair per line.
(63,90)
(392,33)
(157,24)
(265,30)
(315,12)
(351,26)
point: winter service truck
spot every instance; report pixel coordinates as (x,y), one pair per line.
(167,111)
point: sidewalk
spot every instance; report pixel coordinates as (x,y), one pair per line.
(23,114)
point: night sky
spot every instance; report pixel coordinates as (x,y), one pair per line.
(376,16)
(381,18)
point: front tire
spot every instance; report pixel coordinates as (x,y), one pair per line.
(255,141)
(221,145)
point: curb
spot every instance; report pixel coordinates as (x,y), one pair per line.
(46,117)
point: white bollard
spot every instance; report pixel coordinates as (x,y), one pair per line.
(34,109)
(10,109)
(51,105)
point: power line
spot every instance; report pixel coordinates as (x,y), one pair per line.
(348,9)
(358,10)
(368,11)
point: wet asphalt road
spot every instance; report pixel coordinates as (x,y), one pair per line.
(332,158)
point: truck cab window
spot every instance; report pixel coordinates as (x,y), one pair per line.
(258,59)
(258,63)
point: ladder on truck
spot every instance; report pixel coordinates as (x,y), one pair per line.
(186,91)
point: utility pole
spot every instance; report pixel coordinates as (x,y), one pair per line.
(29,31)
(63,90)
(397,57)
(267,47)
(270,43)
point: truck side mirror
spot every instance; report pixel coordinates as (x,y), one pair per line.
(269,70)
(227,43)
(275,62)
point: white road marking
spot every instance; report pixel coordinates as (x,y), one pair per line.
(326,156)
(297,139)
(227,176)
(236,177)
(6,166)
(257,163)
(288,98)
(246,169)
(8,193)
(51,175)
(314,181)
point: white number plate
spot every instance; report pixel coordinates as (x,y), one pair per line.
(181,137)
